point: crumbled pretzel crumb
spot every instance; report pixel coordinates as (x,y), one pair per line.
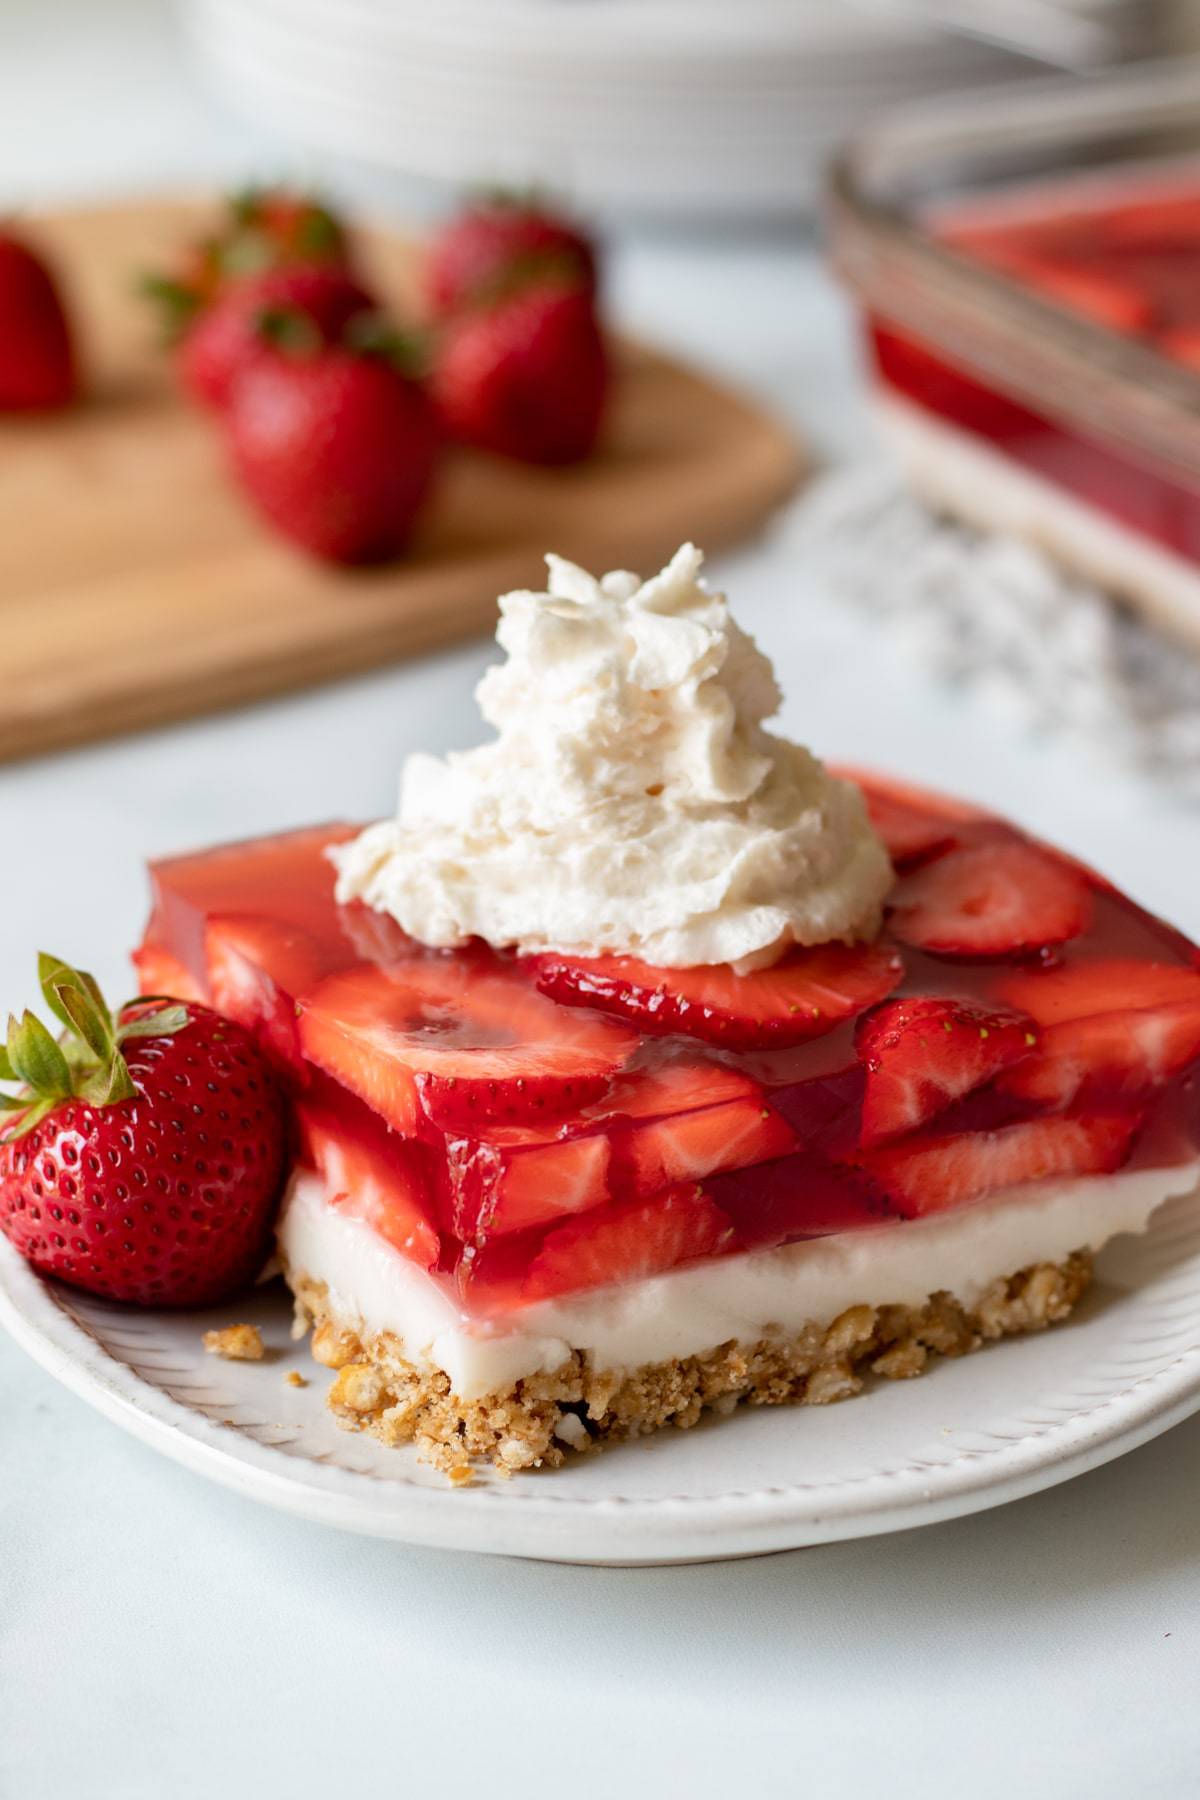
(543,1418)
(236,1343)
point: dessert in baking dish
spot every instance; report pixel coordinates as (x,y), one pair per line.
(1064,433)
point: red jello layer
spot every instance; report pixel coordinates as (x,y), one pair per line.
(495,1125)
(1165,511)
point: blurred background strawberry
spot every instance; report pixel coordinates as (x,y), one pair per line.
(37,352)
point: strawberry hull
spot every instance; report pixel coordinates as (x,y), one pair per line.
(528,1128)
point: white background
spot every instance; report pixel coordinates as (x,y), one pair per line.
(161,1638)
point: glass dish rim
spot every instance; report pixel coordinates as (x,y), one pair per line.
(1085,375)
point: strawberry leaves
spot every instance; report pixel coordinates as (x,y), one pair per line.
(84,1062)
(36,1059)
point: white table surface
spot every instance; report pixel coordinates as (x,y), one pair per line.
(160,1637)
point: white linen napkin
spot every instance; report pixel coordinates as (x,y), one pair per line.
(1054,652)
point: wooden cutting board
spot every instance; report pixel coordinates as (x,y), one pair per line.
(137,588)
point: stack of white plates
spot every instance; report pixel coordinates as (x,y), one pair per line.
(658,105)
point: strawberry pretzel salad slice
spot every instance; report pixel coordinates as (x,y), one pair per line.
(639,1065)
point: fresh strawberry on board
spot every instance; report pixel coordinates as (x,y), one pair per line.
(145,1153)
(229,334)
(998,898)
(486,242)
(37,359)
(335,445)
(274,225)
(922,1054)
(525,375)
(802,996)
(260,230)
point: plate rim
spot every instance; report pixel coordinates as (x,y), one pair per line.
(504,1519)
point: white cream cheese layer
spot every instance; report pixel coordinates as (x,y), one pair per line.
(689,1311)
(632,801)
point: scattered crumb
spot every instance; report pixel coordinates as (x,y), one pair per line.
(295,1379)
(236,1343)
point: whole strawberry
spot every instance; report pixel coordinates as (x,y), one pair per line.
(268,227)
(37,358)
(526,376)
(227,335)
(260,230)
(490,240)
(335,446)
(147,1153)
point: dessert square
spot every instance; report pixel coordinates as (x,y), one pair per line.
(644,1066)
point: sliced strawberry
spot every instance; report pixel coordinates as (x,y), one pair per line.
(802,996)
(909,834)
(159,972)
(455,1104)
(913,822)
(920,1055)
(1113,1056)
(257,972)
(691,1145)
(628,1243)
(1046,260)
(460,1035)
(370,1174)
(656,1127)
(513,1180)
(929,1173)
(911,830)
(1003,898)
(1082,989)
(684,1118)
(680,1083)
(799,1196)
(1095,293)
(1182,342)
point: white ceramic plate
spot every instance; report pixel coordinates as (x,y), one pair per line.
(1017,1417)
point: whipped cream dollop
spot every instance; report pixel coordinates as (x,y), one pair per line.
(631,801)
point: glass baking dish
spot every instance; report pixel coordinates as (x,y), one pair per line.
(1028,266)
